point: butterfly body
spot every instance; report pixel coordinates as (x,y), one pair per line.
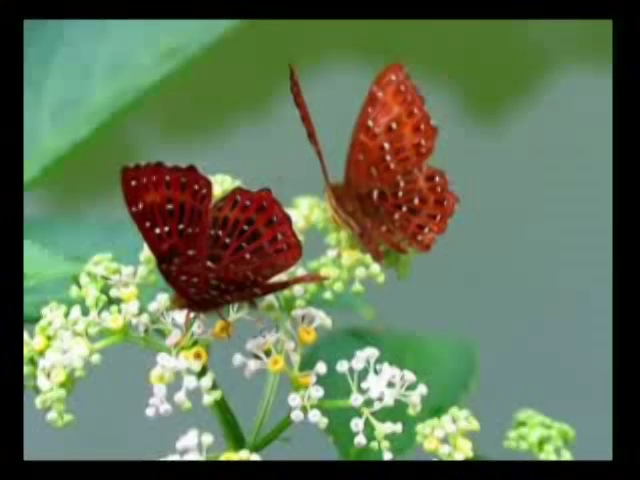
(390,197)
(211,254)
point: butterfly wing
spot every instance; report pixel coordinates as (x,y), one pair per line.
(393,134)
(171,206)
(403,203)
(251,239)
(413,211)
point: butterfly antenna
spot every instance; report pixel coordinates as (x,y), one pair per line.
(305,117)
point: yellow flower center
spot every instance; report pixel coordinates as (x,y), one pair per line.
(129,294)
(349,257)
(431,444)
(116,322)
(198,355)
(303,380)
(58,376)
(307,335)
(276,364)
(229,456)
(40,343)
(462,444)
(157,376)
(222,330)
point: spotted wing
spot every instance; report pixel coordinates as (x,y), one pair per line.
(251,240)
(411,213)
(393,134)
(171,206)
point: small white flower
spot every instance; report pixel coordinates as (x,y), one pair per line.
(188,441)
(360,441)
(358,364)
(206,439)
(314,415)
(316,392)
(174,337)
(296,416)
(238,360)
(357,424)
(294,400)
(387,455)
(206,382)
(190,382)
(356,400)
(342,366)
(320,368)
(323,423)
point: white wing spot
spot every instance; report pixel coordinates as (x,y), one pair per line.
(370,123)
(247,256)
(166,229)
(404,208)
(167,178)
(393,77)
(133,183)
(191,252)
(147,224)
(181,227)
(396,215)
(169,206)
(157,230)
(393,125)
(386,146)
(416,201)
(374,195)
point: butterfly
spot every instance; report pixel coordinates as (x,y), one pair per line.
(390,198)
(212,254)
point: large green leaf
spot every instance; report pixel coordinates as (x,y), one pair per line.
(46,274)
(79,73)
(446,365)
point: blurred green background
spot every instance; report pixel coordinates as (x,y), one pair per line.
(525,115)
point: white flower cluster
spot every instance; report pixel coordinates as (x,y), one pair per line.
(382,387)
(175,321)
(186,365)
(273,348)
(192,445)
(303,402)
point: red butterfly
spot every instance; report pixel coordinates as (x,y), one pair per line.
(390,196)
(217,254)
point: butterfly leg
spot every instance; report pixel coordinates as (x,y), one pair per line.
(187,326)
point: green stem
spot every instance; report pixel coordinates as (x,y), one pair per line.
(108,342)
(231,429)
(270,390)
(272,435)
(334,404)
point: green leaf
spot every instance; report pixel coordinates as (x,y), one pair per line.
(46,275)
(77,74)
(445,365)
